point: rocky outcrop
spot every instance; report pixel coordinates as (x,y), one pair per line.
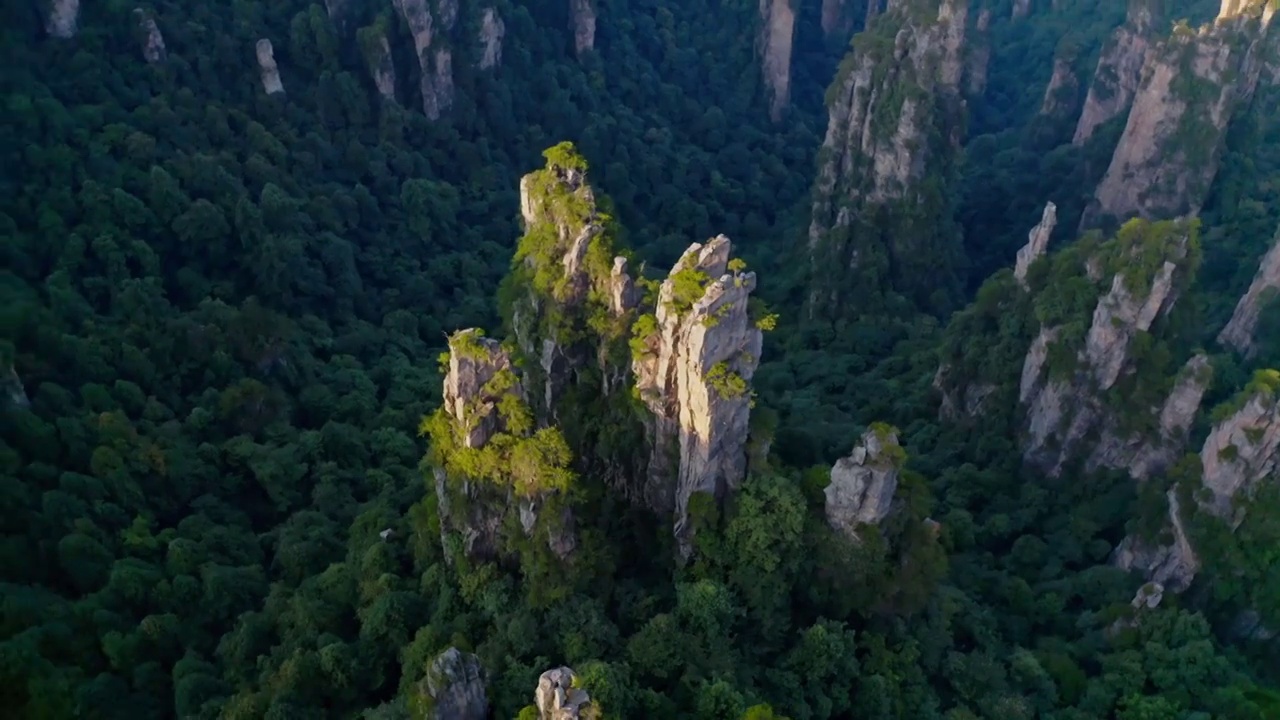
(862,484)
(1243,450)
(377,56)
(778,20)
(492,32)
(837,20)
(1239,333)
(1071,403)
(557,698)
(1172,564)
(960,401)
(693,368)
(1061,95)
(456,685)
(267,65)
(62,18)
(1037,243)
(979,54)
(435,58)
(1021,8)
(1119,70)
(153,50)
(1192,85)
(895,116)
(582,22)
(13,389)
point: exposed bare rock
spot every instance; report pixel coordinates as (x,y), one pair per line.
(1173,565)
(435,58)
(267,63)
(583,25)
(960,403)
(1145,454)
(456,685)
(377,56)
(778,21)
(558,699)
(1119,70)
(62,18)
(474,361)
(862,484)
(1192,85)
(1062,411)
(622,289)
(694,375)
(1064,87)
(979,54)
(1243,450)
(1266,284)
(492,32)
(14,390)
(837,21)
(153,50)
(1037,243)
(906,77)
(1021,8)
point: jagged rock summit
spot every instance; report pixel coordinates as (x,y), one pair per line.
(778,19)
(559,698)
(1037,243)
(862,484)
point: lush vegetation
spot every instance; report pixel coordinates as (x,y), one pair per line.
(222,313)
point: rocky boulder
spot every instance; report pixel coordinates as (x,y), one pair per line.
(557,698)
(862,484)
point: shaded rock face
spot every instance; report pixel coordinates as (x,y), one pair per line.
(456,684)
(964,402)
(62,18)
(153,50)
(888,104)
(1061,94)
(492,31)
(1037,243)
(1173,565)
(381,66)
(557,699)
(979,54)
(1115,81)
(583,24)
(778,21)
(435,59)
(1062,411)
(1192,85)
(694,376)
(1242,451)
(1239,333)
(267,64)
(862,484)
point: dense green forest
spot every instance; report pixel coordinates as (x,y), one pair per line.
(223,315)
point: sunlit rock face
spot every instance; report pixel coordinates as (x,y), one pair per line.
(1239,333)
(694,375)
(1192,85)
(1119,71)
(267,66)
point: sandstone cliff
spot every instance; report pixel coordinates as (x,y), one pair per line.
(862,484)
(62,18)
(435,57)
(153,50)
(582,14)
(455,684)
(557,699)
(377,57)
(267,65)
(1119,70)
(894,119)
(1037,243)
(492,32)
(694,361)
(1239,333)
(1141,273)
(777,20)
(1192,85)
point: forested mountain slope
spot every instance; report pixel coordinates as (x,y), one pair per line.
(338,384)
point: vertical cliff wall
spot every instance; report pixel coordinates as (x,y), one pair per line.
(582,18)
(693,360)
(1119,68)
(880,215)
(153,49)
(492,33)
(429,27)
(1192,85)
(377,57)
(778,20)
(863,484)
(1239,333)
